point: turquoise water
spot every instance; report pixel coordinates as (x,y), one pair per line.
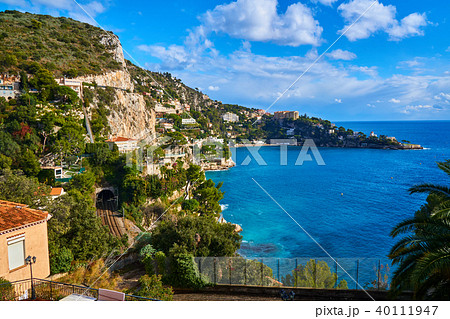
(349,205)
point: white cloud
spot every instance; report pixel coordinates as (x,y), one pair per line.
(260,21)
(370,105)
(420,107)
(341,55)
(325,2)
(338,101)
(213,88)
(409,26)
(394,100)
(59,7)
(379,18)
(174,56)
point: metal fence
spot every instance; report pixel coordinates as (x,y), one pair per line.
(341,273)
(50,290)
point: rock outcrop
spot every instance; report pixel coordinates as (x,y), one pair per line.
(130,116)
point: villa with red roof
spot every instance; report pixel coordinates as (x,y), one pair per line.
(23,233)
(124,144)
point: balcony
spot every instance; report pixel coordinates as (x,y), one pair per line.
(47,290)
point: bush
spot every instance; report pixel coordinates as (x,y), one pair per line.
(184,273)
(147,251)
(152,287)
(61,260)
(6,290)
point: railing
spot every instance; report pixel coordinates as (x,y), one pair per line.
(50,290)
(340,273)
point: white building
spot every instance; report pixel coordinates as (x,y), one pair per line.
(188,121)
(9,87)
(230,117)
(123,144)
(290,132)
(75,85)
(372,134)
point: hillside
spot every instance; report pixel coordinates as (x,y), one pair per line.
(61,45)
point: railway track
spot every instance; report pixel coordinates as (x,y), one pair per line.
(105,210)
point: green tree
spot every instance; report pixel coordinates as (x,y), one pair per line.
(29,164)
(16,187)
(61,260)
(152,287)
(70,140)
(83,182)
(423,250)
(75,225)
(315,274)
(208,196)
(201,236)
(194,176)
(190,205)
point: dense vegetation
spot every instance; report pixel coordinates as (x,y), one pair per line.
(62,45)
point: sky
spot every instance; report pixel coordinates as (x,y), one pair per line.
(339,60)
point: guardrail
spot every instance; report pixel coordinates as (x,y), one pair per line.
(50,290)
(340,273)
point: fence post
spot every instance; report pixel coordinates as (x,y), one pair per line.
(262,272)
(296,272)
(357,273)
(229,268)
(315,272)
(379,274)
(215,278)
(200,266)
(245,272)
(51,290)
(278,269)
(337,277)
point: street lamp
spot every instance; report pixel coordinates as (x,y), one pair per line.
(30,261)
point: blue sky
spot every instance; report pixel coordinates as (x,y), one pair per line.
(393,64)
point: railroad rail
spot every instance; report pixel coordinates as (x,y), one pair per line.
(106,211)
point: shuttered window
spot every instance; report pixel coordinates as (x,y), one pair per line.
(16,251)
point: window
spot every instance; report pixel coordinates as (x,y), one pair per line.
(16,251)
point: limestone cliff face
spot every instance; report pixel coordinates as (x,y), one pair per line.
(120,79)
(130,116)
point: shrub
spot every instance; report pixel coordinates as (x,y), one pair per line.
(152,287)
(61,260)
(184,273)
(6,290)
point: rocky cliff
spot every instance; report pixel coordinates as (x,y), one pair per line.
(130,115)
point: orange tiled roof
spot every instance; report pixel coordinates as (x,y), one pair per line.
(119,139)
(56,191)
(13,215)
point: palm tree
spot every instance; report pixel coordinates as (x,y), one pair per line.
(423,253)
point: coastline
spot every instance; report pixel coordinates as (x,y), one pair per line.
(370,146)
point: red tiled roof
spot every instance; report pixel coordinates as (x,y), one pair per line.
(119,139)
(56,191)
(13,215)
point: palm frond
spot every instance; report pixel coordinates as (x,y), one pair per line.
(432,189)
(445,166)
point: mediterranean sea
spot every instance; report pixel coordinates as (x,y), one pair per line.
(348,206)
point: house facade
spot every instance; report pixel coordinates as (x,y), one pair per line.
(9,86)
(75,85)
(23,232)
(281,115)
(123,144)
(230,117)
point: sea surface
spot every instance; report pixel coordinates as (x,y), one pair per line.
(347,206)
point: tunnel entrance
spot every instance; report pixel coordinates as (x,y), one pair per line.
(106,200)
